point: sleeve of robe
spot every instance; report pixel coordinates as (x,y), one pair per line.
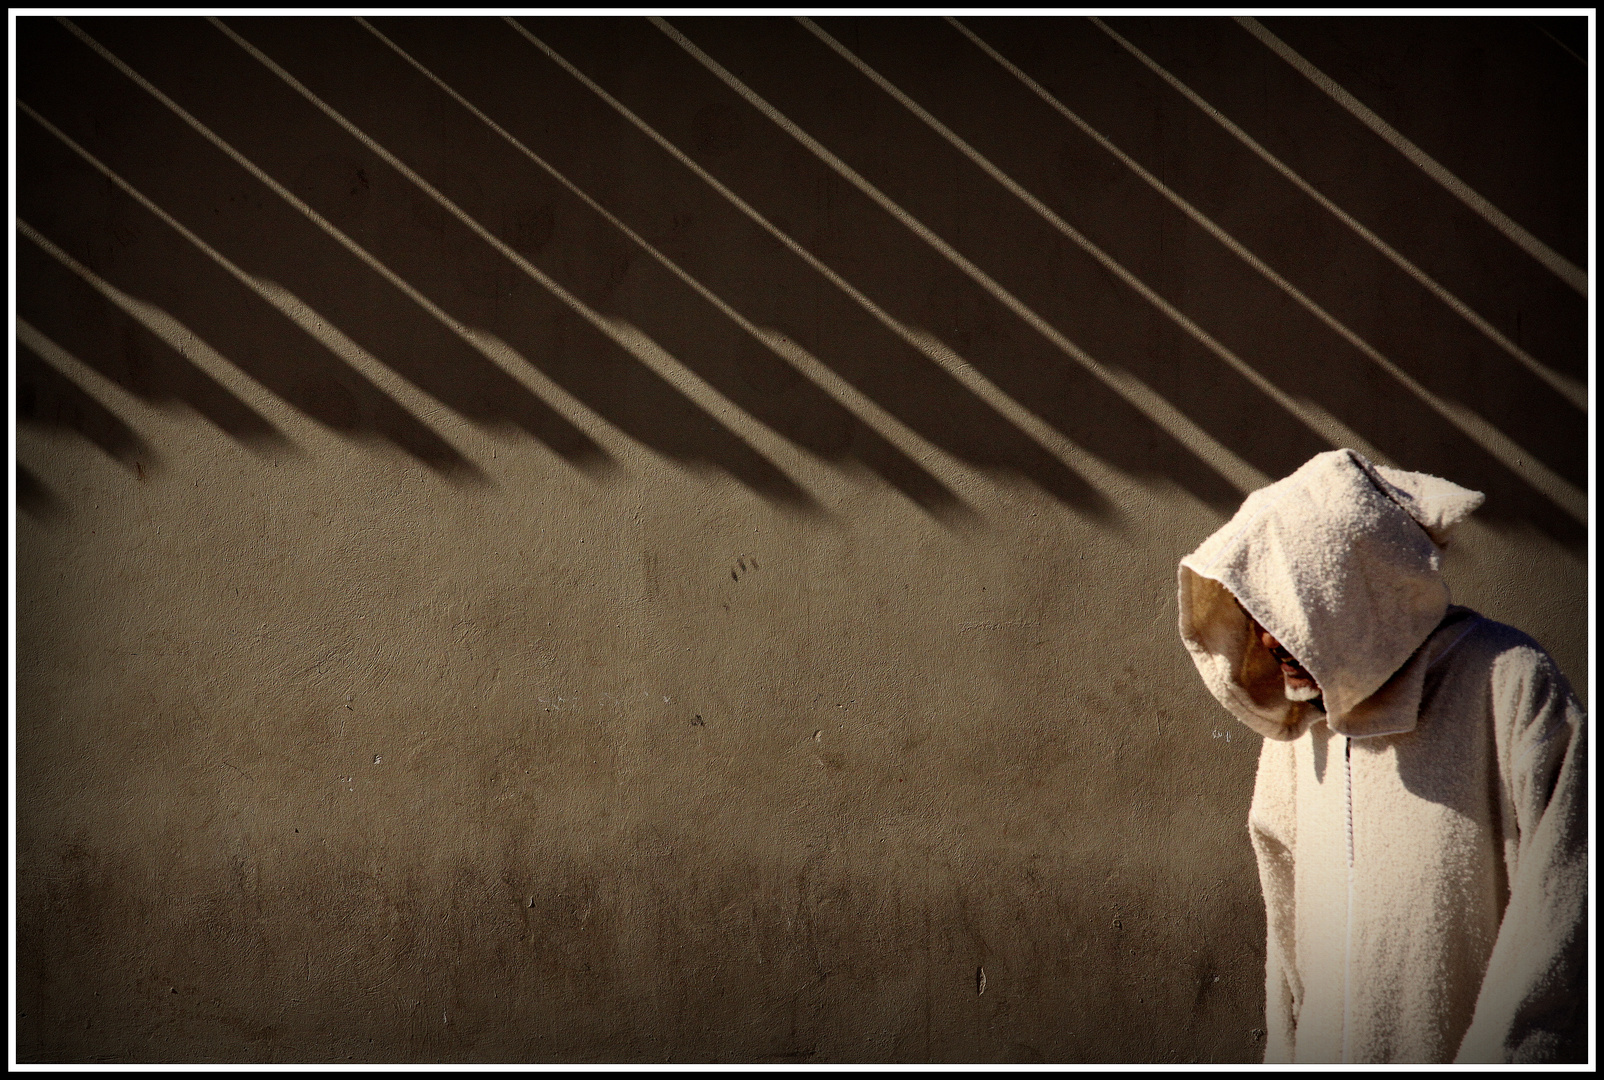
(1532,1005)
(1272,826)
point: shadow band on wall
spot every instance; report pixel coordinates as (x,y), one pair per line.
(1227,353)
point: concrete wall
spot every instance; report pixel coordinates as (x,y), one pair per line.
(636,588)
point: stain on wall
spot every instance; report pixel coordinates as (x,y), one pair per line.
(602,540)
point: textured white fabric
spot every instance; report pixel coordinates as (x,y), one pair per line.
(1422,848)
(1334,564)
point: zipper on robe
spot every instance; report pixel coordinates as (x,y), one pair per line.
(1347,944)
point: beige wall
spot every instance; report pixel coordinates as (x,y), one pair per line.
(519,653)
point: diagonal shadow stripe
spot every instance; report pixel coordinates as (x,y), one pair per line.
(881,256)
(1560,380)
(1573,392)
(50,394)
(935,407)
(893,458)
(871,251)
(1219,457)
(35,498)
(1561,267)
(468,383)
(119,339)
(1494,98)
(1203,167)
(1317,419)
(1126,216)
(630,396)
(290,305)
(208,315)
(645,350)
(1577,42)
(1495,442)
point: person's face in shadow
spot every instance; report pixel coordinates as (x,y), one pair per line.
(1300,685)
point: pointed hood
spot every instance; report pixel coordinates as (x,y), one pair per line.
(1342,563)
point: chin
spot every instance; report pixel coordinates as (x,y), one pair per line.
(1302,693)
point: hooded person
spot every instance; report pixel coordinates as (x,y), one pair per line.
(1419,818)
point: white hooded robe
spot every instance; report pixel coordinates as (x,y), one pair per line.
(1422,842)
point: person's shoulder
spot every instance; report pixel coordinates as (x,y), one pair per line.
(1512,661)
(1466,632)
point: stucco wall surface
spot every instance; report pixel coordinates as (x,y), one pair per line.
(598,541)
